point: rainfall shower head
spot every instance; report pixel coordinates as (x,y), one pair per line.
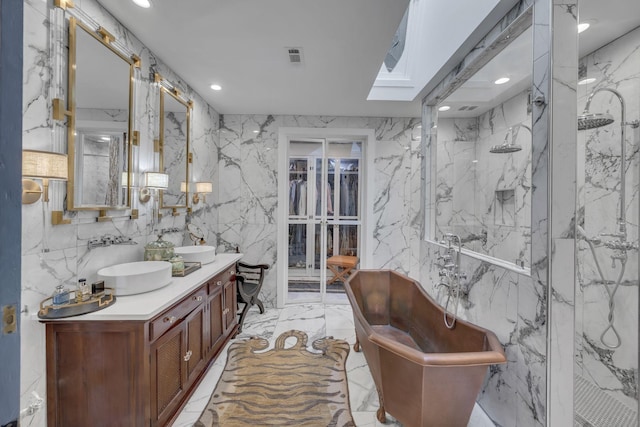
(505,148)
(509,146)
(593,120)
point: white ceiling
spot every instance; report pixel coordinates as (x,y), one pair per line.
(241,46)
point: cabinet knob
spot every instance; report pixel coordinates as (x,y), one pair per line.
(225,311)
(232,273)
(219,283)
(187,356)
(197,298)
(171,319)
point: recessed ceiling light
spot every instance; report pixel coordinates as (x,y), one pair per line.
(474,161)
(419,127)
(587,81)
(105,138)
(216,87)
(143,3)
(583,26)
(256,131)
(502,80)
(444,108)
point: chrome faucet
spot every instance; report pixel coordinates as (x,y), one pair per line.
(451,270)
(108,240)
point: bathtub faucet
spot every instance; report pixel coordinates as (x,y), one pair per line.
(451,270)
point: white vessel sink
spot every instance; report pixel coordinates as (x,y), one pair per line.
(136,277)
(201,254)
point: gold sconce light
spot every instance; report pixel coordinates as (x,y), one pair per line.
(153,181)
(42,165)
(202,188)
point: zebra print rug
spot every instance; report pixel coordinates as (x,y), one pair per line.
(283,386)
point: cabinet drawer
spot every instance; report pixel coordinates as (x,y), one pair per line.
(218,281)
(173,315)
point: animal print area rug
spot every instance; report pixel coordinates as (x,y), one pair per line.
(283,386)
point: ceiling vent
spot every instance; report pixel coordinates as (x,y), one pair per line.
(295,55)
(467,107)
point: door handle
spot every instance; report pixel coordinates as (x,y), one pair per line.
(187,356)
(171,319)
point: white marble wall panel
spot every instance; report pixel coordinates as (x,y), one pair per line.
(53,255)
(616,66)
(248,203)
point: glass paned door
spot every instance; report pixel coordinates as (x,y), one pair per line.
(327,175)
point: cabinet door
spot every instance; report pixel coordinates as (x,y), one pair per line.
(230,305)
(214,311)
(168,373)
(195,354)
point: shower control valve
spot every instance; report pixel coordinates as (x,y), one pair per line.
(443,273)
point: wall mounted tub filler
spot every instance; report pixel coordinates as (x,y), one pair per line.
(450,276)
(618,244)
(108,240)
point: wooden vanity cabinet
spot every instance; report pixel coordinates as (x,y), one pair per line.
(137,373)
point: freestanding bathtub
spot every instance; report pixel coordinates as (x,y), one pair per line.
(425,373)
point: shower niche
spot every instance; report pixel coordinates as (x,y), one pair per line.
(481,177)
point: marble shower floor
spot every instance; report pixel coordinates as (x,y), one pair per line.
(318,321)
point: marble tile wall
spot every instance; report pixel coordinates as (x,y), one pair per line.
(53,255)
(248,202)
(615,66)
(485,197)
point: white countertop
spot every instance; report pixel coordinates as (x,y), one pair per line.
(150,304)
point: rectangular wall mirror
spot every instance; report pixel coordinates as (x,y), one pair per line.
(175,125)
(100,121)
(483,158)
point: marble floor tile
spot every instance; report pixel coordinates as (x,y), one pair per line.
(317,320)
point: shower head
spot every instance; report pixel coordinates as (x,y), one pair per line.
(593,120)
(505,148)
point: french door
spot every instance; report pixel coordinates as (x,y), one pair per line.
(324,219)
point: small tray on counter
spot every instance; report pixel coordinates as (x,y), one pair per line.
(96,302)
(189,267)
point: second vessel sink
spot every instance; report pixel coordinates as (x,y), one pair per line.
(136,277)
(201,254)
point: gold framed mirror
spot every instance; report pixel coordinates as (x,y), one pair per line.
(100,132)
(173,148)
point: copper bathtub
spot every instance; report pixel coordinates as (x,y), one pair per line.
(425,374)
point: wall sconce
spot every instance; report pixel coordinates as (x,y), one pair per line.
(202,188)
(43,165)
(184,187)
(153,181)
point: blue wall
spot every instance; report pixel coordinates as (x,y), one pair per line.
(11,22)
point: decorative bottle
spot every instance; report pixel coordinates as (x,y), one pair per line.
(60,296)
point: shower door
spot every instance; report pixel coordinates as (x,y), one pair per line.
(324,215)
(608,214)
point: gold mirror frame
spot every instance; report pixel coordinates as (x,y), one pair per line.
(106,39)
(174,94)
